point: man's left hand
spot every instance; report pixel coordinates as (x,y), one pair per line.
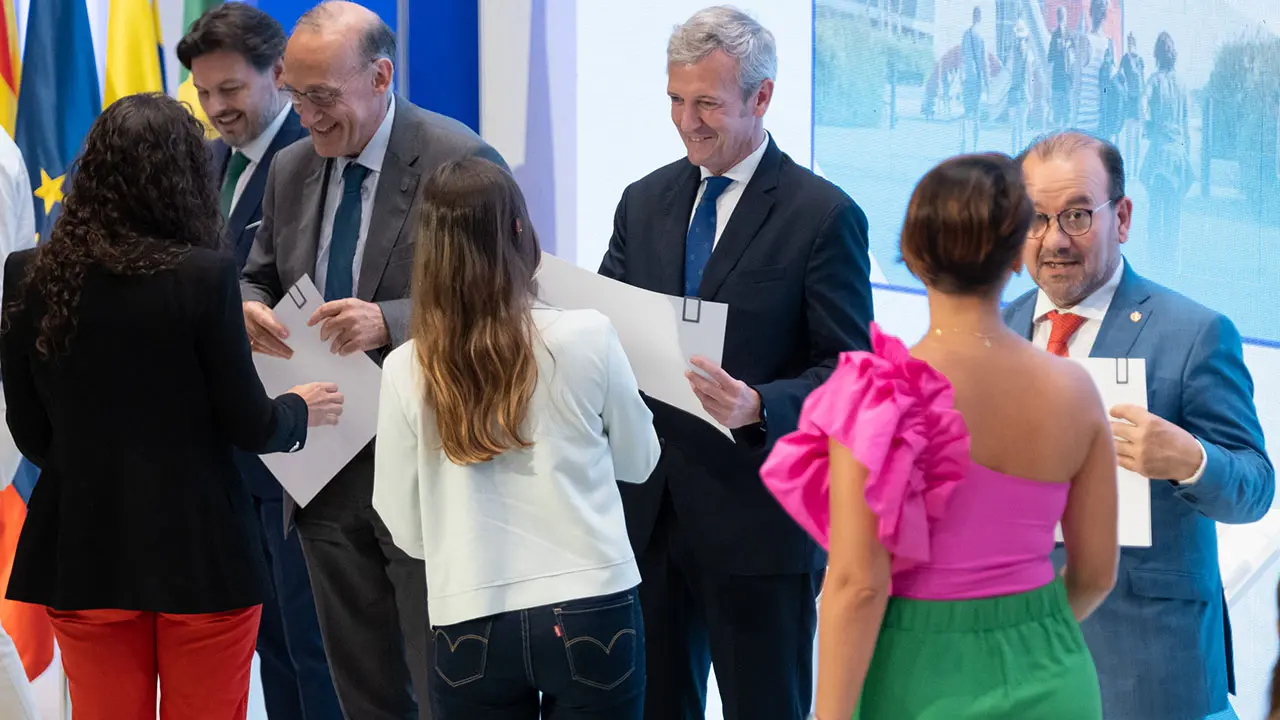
(1154,447)
(351,326)
(731,402)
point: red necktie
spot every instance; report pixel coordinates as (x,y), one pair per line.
(1064,326)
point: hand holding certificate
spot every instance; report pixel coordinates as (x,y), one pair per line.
(309,356)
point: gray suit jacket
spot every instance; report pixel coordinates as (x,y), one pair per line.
(285,247)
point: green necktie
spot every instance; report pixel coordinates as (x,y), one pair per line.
(235,168)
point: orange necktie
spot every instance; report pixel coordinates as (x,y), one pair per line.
(1064,326)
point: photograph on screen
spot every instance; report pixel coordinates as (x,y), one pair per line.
(1189,90)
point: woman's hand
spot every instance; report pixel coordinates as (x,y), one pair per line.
(324,402)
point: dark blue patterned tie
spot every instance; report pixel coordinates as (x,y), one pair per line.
(702,235)
(346,234)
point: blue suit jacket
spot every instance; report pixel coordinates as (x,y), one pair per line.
(1162,640)
(237,236)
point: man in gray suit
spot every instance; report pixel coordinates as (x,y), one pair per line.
(340,206)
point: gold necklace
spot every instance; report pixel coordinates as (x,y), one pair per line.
(986,339)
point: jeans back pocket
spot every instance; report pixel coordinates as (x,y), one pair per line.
(601,639)
(461,651)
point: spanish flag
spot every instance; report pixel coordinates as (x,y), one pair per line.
(10,66)
(134,56)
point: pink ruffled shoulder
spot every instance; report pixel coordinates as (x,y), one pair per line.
(896,415)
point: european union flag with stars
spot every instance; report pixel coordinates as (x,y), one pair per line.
(58,101)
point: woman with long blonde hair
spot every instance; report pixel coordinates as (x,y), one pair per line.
(504,427)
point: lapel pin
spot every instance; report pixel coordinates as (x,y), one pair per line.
(1135,316)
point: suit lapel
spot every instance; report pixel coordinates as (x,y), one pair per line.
(251,198)
(314,188)
(397,185)
(1022,314)
(752,209)
(1126,317)
(219,153)
(677,213)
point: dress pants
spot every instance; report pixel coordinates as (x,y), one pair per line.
(112,659)
(757,630)
(371,599)
(295,673)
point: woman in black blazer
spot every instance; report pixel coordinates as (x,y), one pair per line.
(128,378)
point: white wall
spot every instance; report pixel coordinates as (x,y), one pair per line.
(609,115)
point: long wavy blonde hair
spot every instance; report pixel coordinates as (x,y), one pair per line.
(471,324)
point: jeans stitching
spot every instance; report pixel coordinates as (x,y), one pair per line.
(568,643)
(453,646)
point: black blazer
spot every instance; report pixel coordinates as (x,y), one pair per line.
(139,506)
(792,265)
(237,236)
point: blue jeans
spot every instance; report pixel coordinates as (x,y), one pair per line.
(585,657)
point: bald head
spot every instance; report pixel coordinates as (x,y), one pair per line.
(339,66)
(350,25)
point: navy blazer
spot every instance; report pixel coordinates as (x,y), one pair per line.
(792,265)
(237,237)
(247,214)
(1162,640)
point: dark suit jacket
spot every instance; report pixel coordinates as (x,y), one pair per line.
(792,265)
(139,505)
(287,241)
(238,238)
(243,223)
(1168,602)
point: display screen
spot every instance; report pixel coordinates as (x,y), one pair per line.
(1189,90)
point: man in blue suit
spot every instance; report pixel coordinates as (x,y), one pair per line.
(1162,640)
(235,55)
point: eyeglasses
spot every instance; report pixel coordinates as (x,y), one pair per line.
(1073,221)
(322,97)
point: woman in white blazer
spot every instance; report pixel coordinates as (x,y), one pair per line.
(504,427)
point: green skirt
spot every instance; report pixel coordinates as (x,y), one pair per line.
(1016,657)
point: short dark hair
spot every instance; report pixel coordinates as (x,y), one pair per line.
(966,224)
(1098,12)
(977,13)
(235,27)
(377,41)
(1066,142)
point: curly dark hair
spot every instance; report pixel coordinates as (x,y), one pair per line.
(141,198)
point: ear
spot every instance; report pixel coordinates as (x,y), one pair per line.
(761,99)
(384,72)
(1124,217)
(277,74)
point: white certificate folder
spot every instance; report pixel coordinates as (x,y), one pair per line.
(1123,381)
(330,447)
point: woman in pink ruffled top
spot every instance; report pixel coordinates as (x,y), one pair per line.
(935,477)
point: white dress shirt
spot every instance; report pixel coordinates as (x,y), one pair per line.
(740,174)
(1080,345)
(255,150)
(533,526)
(371,157)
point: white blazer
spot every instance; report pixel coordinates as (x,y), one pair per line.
(531,527)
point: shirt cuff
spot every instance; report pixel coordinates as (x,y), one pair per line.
(1204,463)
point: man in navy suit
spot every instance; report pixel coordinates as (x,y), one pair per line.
(1162,640)
(729,578)
(234,53)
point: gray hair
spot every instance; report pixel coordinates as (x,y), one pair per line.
(377,40)
(727,28)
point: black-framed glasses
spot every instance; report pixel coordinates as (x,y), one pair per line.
(1073,221)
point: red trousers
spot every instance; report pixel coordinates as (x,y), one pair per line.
(112,659)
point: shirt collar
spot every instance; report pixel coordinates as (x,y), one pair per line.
(743,171)
(1093,307)
(256,149)
(376,151)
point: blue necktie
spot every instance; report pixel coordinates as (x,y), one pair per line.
(702,235)
(346,234)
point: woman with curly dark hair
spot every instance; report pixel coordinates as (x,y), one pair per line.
(128,379)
